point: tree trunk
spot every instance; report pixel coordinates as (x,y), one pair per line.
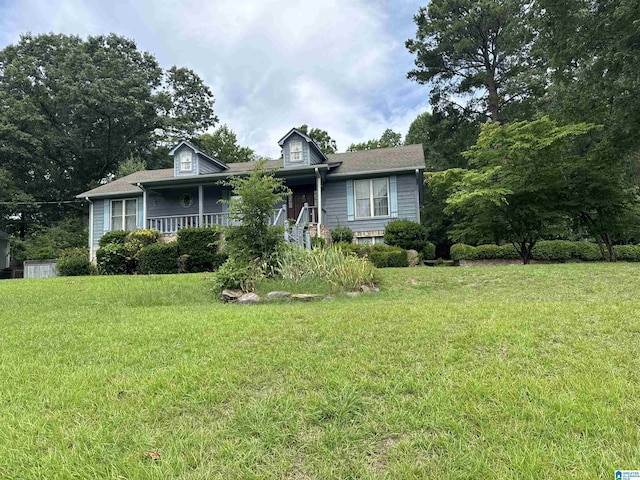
(612,251)
(603,253)
(525,251)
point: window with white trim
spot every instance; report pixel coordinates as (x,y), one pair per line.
(295,152)
(370,240)
(124,214)
(186,163)
(371,197)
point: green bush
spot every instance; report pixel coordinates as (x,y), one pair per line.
(338,270)
(342,235)
(201,245)
(159,258)
(237,274)
(383,256)
(74,252)
(564,250)
(116,236)
(74,266)
(547,250)
(264,248)
(136,240)
(429,251)
(628,253)
(405,234)
(112,259)
(318,242)
(380,255)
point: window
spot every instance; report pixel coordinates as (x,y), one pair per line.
(372,197)
(124,214)
(185,162)
(370,240)
(295,152)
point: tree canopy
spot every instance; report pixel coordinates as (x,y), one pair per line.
(74,109)
(326,144)
(223,145)
(389,138)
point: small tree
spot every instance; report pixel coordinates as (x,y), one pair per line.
(250,211)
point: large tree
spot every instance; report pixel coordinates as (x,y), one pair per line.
(74,109)
(388,139)
(516,189)
(321,138)
(223,145)
(473,52)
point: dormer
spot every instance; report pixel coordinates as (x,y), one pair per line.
(190,161)
(299,150)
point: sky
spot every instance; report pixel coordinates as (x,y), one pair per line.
(338,65)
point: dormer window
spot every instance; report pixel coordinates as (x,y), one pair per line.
(295,152)
(186,164)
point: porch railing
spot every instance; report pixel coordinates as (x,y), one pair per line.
(173,223)
(307,215)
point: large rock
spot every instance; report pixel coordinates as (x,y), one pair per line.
(228,295)
(249,298)
(305,297)
(277,295)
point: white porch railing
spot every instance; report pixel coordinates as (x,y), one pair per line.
(173,223)
(307,215)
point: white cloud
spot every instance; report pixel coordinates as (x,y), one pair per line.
(339,65)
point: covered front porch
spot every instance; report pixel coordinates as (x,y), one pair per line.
(171,208)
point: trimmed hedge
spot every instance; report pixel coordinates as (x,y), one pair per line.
(74,266)
(429,251)
(405,234)
(159,258)
(628,253)
(380,255)
(549,250)
(117,236)
(200,244)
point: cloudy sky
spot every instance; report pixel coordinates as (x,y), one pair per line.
(339,65)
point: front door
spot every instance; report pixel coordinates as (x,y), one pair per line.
(299,196)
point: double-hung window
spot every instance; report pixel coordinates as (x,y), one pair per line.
(124,214)
(295,152)
(372,197)
(186,163)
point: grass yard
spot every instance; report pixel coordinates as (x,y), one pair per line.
(486,372)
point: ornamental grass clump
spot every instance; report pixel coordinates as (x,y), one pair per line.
(339,271)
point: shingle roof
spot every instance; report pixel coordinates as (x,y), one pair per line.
(349,163)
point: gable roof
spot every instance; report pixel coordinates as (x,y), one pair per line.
(221,164)
(349,164)
(307,138)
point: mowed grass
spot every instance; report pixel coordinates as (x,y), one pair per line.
(497,372)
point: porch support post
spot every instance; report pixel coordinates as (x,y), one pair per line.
(200,206)
(91,256)
(144,204)
(319,206)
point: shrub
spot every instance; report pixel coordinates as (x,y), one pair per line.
(237,237)
(74,252)
(112,259)
(342,235)
(628,253)
(386,256)
(116,236)
(201,246)
(549,250)
(238,275)
(405,234)
(331,266)
(74,266)
(136,240)
(429,251)
(564,250)
(159,258)
(318,242)
(352,248)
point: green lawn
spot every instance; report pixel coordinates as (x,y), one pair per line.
(485,372)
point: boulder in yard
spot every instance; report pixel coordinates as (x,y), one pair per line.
(305,297)
(229,295)
(249,298)
(277,295)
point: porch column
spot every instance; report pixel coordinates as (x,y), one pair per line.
(319,206)
(144,208)
(200,206)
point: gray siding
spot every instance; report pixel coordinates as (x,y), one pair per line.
(313,155)
(98,220)
(286,154)
(211,197)
(206,166)
(334,202)
(166,203)
(176,163)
